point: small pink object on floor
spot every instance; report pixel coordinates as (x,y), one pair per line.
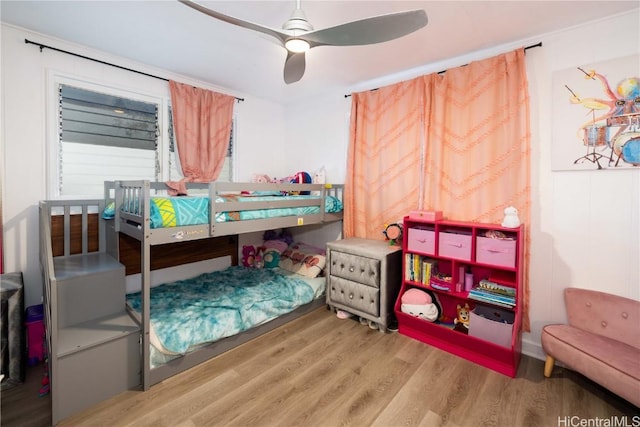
(343,314)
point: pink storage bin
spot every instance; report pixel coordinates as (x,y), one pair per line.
(420,240)
(494,331)
(426,215)
(496,252)
(456,246)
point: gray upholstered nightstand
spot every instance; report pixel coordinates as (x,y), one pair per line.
(364,278)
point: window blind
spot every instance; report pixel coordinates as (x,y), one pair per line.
(95,118)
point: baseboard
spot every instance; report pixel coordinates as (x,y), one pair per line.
(533,349)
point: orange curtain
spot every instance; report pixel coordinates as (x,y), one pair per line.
(202,125)
(472,151)
(383,170)
(478,145)
(477,140)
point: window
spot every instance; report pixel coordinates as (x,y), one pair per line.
(105,134)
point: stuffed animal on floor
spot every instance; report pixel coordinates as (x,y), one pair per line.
(248,255)
(461,322)
(418,303)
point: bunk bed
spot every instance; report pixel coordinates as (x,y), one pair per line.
(145,211)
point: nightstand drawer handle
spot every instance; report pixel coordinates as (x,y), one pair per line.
(350,296)
(351,269)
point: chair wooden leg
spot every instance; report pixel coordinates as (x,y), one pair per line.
(548,366)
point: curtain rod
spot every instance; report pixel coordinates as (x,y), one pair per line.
(43,46)
(444,71)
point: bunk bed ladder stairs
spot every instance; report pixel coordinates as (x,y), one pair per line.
(93,343)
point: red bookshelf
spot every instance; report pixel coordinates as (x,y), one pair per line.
(493,255)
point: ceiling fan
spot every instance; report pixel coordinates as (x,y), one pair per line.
(298,36)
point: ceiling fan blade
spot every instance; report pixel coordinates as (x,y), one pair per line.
(366,31)
(294,67)
(279,35)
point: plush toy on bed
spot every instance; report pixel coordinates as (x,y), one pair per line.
(418,303)
(271,250)
(300,178)
(263,178)
(271,258)
(248,255)
(283,234)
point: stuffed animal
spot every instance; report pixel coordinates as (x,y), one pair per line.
(284,235)
(511,219)
(420,304)
(248,255)
(320,176)
(261,178)
(461,322)
(259,260)
(271,258)
(300,178)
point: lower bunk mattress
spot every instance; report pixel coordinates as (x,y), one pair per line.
(188,314)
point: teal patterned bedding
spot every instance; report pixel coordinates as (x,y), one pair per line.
(179,211)
(188,313)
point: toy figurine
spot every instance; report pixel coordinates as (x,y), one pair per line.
(511,219)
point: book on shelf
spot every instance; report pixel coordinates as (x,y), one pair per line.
(419,268)
(491,301)
(480,294)
(496,288)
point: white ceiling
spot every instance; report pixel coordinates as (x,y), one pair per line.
(174,37)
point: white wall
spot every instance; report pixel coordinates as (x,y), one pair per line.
(585,228)
(25,70)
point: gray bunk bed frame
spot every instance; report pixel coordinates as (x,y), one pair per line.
(136,224)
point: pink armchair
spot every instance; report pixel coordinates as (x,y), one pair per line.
(601,341)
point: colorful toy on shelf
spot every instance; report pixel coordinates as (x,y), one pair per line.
(418,303)
(461,322)
(511,219)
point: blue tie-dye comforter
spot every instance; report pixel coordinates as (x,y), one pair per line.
(215,305)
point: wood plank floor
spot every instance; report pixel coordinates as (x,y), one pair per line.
(323,371)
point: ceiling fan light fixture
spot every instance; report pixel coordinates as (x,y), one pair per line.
(297,45)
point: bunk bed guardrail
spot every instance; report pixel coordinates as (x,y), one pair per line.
(131,202)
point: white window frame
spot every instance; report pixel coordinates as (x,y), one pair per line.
(55,79)
(53,140)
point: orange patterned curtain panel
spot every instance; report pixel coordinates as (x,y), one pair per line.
(471,147)
(384,161)
(202,124)
(477,140)
(478,151)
